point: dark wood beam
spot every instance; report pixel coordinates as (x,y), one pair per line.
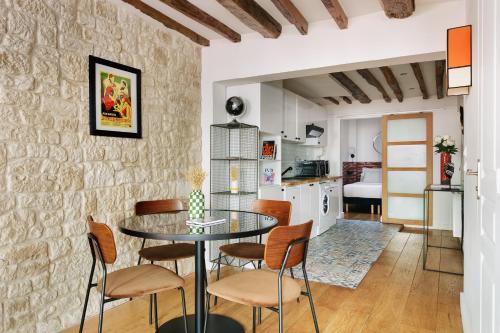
(292,14)
(347,99)
(420,78)
(392,82)
(371,79)
(202,17)
(168,22)
(440,69)
(353,88)
(332,99)
(398,8)
(253,16)
(337,12)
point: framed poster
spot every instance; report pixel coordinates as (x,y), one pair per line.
(115,99)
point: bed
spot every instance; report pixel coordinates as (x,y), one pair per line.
(365,188)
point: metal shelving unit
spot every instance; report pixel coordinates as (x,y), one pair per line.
(233,145)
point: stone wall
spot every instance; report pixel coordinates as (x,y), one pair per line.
(53,173)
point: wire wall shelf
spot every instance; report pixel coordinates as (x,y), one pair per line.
(234,172)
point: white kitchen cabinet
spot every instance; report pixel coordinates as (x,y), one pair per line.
(305,109)
(292,194)
(289,116)
(309,205)
(272,108)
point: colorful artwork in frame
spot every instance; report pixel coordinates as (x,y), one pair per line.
(115,99)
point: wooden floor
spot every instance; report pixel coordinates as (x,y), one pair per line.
(361,216)
(397,295)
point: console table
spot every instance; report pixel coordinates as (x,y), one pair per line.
(451,189)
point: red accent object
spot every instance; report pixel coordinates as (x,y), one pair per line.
(445,159)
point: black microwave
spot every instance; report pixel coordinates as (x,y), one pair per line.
(311,169)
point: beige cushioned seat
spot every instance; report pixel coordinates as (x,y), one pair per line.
(244,250)
(139,281)
(168,252)
(255,288)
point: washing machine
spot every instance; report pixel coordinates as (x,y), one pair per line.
(328,205)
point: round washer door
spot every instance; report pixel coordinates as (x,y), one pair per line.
(325,204)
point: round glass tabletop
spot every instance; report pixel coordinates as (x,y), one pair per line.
(172,226)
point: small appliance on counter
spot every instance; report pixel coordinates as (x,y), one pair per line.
(311,169)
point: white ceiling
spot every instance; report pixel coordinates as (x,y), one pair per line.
(313,11)
(319,86)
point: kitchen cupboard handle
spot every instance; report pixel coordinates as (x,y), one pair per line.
(282,132)
(293,198)
(311,184)
(285,136)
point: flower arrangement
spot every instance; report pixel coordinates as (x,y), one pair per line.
(445,144)
(196,176)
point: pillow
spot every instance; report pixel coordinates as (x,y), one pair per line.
(371,175)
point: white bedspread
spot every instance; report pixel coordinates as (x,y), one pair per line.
(363,190)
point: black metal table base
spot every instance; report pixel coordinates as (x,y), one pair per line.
(215,324)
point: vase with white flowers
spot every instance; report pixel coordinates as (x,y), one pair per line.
(445,146)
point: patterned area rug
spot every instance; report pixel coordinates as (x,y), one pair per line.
(345,253)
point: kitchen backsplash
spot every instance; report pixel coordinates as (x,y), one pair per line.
(292,152)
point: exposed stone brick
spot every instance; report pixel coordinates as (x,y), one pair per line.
(53,173)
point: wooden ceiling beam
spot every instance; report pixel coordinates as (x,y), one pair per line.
(202,17)
(398,8)
(253,16)
(168,22)
(292,14)
(337,12)
(347,99)
(392,82)
(332,100)
(352,87)
(420,78)
(440,69)
(371,79)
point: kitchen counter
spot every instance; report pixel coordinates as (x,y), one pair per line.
(297,182)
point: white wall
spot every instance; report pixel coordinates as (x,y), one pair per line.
(446,120)
(357,137)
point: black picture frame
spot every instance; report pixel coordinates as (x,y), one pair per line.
(105,104)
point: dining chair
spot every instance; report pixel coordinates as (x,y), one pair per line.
(281,210)
(286,247)
(166,252)
(136,281)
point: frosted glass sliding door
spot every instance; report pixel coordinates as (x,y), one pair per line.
(406,166)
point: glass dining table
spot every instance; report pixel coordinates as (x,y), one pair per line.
(173,227)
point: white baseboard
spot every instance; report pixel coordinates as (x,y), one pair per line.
(464,311)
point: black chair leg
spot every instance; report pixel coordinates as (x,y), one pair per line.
(176,267)
(254,319)
(156,312)
(207,313)
(150,309)
(184,314)
(291,273)
(311,303)
(101,312)
(218,273)
(142,246)
(89,286)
